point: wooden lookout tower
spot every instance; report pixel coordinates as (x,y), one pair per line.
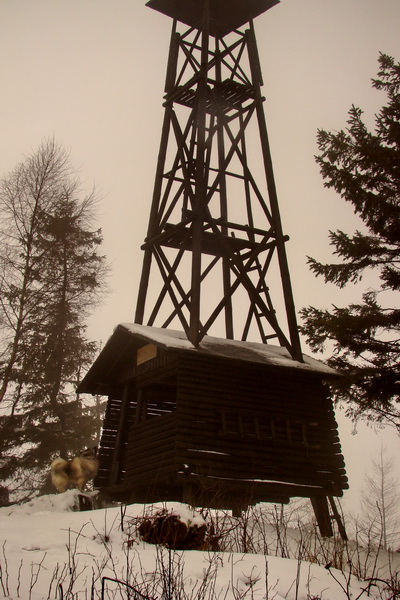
(240,416)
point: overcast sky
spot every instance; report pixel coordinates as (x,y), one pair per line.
(91,74)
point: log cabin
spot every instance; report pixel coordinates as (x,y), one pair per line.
(226,424)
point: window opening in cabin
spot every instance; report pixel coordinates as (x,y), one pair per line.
(156,399)
(266,428)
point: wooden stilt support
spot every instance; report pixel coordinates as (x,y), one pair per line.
(321,510)
(338,519)
(85,502)
(324,517)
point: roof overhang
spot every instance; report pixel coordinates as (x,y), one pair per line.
(120,352)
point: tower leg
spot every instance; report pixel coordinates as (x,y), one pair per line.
(321,510)
(338,519)
(324,518)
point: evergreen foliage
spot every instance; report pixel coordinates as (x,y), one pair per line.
(364,168)
(52,276)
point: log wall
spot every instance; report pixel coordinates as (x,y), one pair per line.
(191,416)
(251,422)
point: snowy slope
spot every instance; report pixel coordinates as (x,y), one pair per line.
(50,552)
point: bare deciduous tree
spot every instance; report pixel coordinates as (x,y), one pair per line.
(380,503)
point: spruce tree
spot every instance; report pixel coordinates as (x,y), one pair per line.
(364,168)
(53,276)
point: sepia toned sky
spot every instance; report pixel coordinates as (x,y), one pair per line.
(91,74)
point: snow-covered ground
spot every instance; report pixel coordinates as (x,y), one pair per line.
(49,551)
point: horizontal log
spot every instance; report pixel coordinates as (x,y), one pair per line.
(156,446)
(201,417)
(297,455)
(137,451)
(257,463)
(264,490)
(146,471)
(192,399)
(142,437)
(280,475)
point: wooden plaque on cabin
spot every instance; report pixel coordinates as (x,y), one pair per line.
(146,353)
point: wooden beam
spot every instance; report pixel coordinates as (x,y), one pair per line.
(321,510)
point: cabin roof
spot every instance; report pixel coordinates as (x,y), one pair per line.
(120,350)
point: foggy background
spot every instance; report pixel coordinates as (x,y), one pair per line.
(91,74)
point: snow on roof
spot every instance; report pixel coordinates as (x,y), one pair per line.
(249,351)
